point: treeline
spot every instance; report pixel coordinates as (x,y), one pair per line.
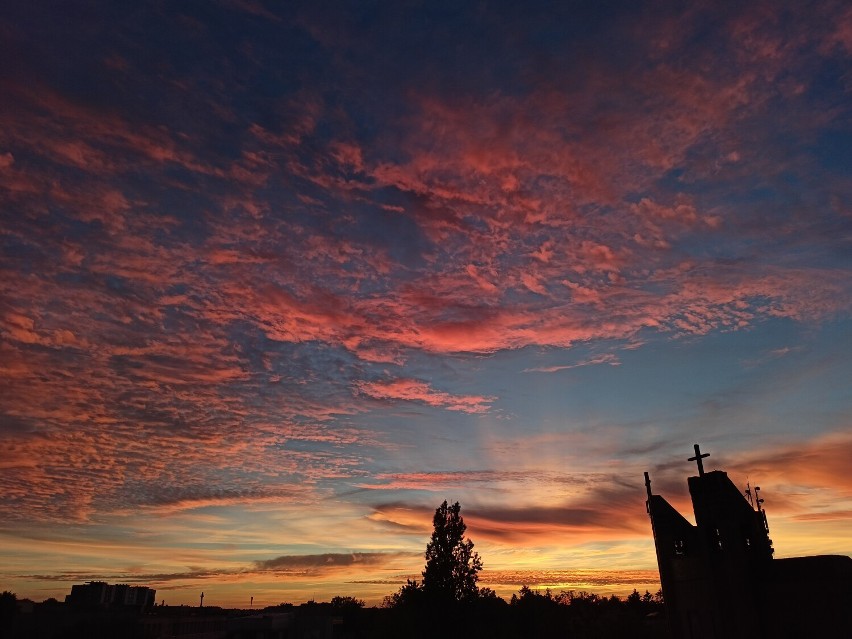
(528,614)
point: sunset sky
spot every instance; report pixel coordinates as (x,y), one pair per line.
(277,280)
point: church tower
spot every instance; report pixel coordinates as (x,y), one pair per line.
(719,578)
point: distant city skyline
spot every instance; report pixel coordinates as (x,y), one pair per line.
(277,279)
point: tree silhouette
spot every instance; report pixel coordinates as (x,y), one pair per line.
(452,567)
(8,609)
(409,595)
(346,603)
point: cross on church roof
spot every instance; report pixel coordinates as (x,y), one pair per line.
(698,459)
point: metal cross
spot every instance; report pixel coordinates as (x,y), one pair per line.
(698,459)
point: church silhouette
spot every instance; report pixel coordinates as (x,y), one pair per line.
(719,577)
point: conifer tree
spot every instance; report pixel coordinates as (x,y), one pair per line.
(452,567)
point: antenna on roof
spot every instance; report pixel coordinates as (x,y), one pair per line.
(748,493)
(648,490)
(762,512)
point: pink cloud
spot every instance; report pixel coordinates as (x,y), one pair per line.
(819,463)
(415,390)
(537,220)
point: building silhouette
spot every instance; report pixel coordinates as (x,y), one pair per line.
(103,596)
(719,577)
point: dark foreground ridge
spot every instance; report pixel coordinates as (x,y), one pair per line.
(719,577)
(528,615)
